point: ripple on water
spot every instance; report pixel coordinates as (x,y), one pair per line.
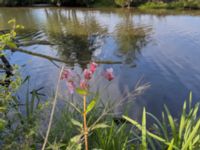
(164,49)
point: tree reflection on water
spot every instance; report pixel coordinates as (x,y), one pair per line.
(130,38)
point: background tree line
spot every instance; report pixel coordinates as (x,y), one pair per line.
(154,4)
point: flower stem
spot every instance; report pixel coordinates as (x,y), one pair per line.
(85,123)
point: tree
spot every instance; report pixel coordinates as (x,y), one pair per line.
(124,3)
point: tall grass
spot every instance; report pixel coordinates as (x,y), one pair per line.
(193,4)
(170,134)
(91,123)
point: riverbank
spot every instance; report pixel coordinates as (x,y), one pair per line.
(172,5)
(43,106)
(183,5)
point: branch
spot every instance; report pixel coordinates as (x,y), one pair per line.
(60,60)
(42,42)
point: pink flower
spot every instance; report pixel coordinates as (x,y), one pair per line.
(93,67)
(66,74)
(71,86)
(109,74)
(87,74)
(84,84)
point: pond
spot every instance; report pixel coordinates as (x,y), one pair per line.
(159,48)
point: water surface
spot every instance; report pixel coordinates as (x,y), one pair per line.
(160,48)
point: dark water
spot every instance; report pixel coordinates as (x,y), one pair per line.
(161,48)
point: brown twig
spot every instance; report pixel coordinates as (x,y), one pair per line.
(52,110)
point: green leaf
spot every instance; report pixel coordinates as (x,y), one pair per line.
(91,105)
(76,123)
(26,79)
(11,21)
(2,124)
(171,122)
(170,147)
(76,108)
(11,44)
(162,127)
(182,121)
(75,143)
(100,125)
(196,139)
(2,109)
(192,135)
(190,100)
(156,137)
(81,91)
(144,131)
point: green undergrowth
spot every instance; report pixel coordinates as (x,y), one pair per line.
(172,5)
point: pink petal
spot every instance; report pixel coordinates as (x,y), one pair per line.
(66,74)
(84,84)
(87,74)
(71,86)
(109,74)
(93,67)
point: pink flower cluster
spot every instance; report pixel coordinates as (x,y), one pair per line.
(71,77)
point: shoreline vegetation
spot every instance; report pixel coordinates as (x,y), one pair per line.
(85,120)
(139,4)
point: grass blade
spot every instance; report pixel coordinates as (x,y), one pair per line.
(144,131)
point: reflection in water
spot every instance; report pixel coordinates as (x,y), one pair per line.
(164,49)
(74,37)
(130,39)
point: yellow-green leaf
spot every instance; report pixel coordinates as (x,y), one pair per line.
(76,123)
(91,105)
(81,91)
(2,124)
(100,125)
(11,44)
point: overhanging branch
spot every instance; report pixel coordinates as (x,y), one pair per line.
(60,60)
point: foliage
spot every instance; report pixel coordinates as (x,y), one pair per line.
(123,3)
(182,4)
(168,133)
(103,3)
(92,123)
(7,38)
(144,4)
(83,90)
(8,86)
(106,135)
(18,117)
(21,130)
